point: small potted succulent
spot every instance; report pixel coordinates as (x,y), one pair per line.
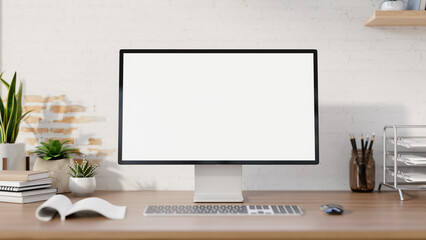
(82,181)
(394,5)
(54,156)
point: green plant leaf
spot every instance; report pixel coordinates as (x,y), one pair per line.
(18,124)
(83,170)
(1,110)
(11,122)
(4,82)
(2,125)
(55,149)
(74,172)
(79,171)
(87,170)
(43,148)
(46,145)
(64,142)
(9,101)
(11,112)
(1,133)
(92,174)
(19,100)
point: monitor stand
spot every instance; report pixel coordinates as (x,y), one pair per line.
(218,183)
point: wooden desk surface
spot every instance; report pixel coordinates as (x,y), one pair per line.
(367,215)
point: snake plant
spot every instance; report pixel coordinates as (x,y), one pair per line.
(11,114)
(83,170)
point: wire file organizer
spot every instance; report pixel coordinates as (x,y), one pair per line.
(404,158)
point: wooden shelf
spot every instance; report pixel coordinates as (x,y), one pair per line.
(397,18)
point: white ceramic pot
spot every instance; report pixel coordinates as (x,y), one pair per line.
(15,154)
(57,171)
(82,186)
(394,5)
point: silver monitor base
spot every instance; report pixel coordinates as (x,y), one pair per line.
(218,183)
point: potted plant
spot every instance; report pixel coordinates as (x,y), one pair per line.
(82,181)
(11,116)
(54,156)
(394,5)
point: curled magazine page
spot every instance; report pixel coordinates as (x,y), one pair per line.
(54,205)
(100,206)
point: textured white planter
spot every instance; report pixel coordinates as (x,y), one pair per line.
(394,5)
(15,154)
(82,186)
(57,171)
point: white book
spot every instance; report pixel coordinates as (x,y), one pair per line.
(17,175)
(27,199)
(24,183)
(28,193)
(63,205)
(19,189)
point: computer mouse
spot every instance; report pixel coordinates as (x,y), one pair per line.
(332,209)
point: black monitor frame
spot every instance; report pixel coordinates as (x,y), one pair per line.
(206,162)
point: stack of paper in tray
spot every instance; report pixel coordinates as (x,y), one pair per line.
(25,186)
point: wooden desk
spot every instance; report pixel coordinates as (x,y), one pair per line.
(367,215)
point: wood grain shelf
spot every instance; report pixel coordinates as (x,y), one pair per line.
(397,18)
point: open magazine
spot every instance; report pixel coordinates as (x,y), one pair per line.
(63,205)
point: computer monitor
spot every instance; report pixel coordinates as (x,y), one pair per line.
(218,110)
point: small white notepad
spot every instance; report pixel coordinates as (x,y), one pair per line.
(409,176)
(411,142)
(411,159)
(63,205)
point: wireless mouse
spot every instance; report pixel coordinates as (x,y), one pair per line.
(332,209)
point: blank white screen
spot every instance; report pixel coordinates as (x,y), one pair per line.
(218,106)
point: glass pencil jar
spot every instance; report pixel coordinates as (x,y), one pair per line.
(362,171)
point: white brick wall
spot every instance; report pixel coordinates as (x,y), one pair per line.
(71,48)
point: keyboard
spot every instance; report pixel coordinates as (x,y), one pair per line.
(222,210)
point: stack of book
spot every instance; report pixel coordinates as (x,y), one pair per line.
(25,186)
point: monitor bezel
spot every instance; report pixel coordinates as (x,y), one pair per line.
(207,162)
